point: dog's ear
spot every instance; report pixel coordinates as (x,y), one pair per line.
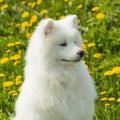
(49,26)
(71,20)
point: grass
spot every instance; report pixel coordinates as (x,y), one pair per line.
(99,23)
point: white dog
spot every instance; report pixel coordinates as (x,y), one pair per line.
(57,85)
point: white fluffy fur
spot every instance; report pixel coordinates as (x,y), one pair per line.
(54,89)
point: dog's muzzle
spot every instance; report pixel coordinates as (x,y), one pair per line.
(81,55)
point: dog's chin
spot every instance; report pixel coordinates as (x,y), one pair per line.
(76,60)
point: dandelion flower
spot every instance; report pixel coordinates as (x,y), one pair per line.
(100,16)
(25,24)
(118,100)
(16,63)
(39,2)
(103,99)
(84,47)
(65,0)
(11,92)
(14,94)
(8,84)
(102,93)
(43,12)
(4,7)
(116,70)
(17,43)
(91,45)
(111,99)
(18,82)
(10,44)
(33,4)
(109,72)
(4,60)
(95,8)
(25,14)
(15,57)
(8,51)
(33,19)
(1,1)
(85,41)
(61,17)
(107,104)
(28,35)
(18,78)
(1,75)
(97,55)
(19,89)
(79,6)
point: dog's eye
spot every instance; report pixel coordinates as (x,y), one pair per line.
(63,44)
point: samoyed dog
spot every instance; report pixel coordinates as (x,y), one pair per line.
(57,85)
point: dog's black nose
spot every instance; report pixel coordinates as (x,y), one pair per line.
(80,53)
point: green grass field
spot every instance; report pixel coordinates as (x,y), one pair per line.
(99,23)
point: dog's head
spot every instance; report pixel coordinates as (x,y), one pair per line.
(60,41)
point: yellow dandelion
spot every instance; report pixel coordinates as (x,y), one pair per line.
(100,16)
(25,14)
(79,6)
(8,51)
(109,72)
(84,47)
(118,100)
(104,99)
(19,89)
(11,92)
(91,45)
(15,57)
(10,44)
(19,52)
(43,12)
(8,84)
(29,4)
(97,55)
(33,4)
(17,43)
(95,8)
(23,2)
(83,61)
(18,78)
(14,94)
(39,2)
(18,82)
(61,17)
(116,70)
(16,63)
(85,41)
(21,9)
(65,0)
(4,7)
(1,1)
(111,99)
(33,19)
(28,35)
(25,24)
(107,104)
(4,60)
(2,75)
(17,25)
(102,93)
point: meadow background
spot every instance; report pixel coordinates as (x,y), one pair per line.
(99,24)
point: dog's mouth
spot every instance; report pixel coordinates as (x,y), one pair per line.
(71,60)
